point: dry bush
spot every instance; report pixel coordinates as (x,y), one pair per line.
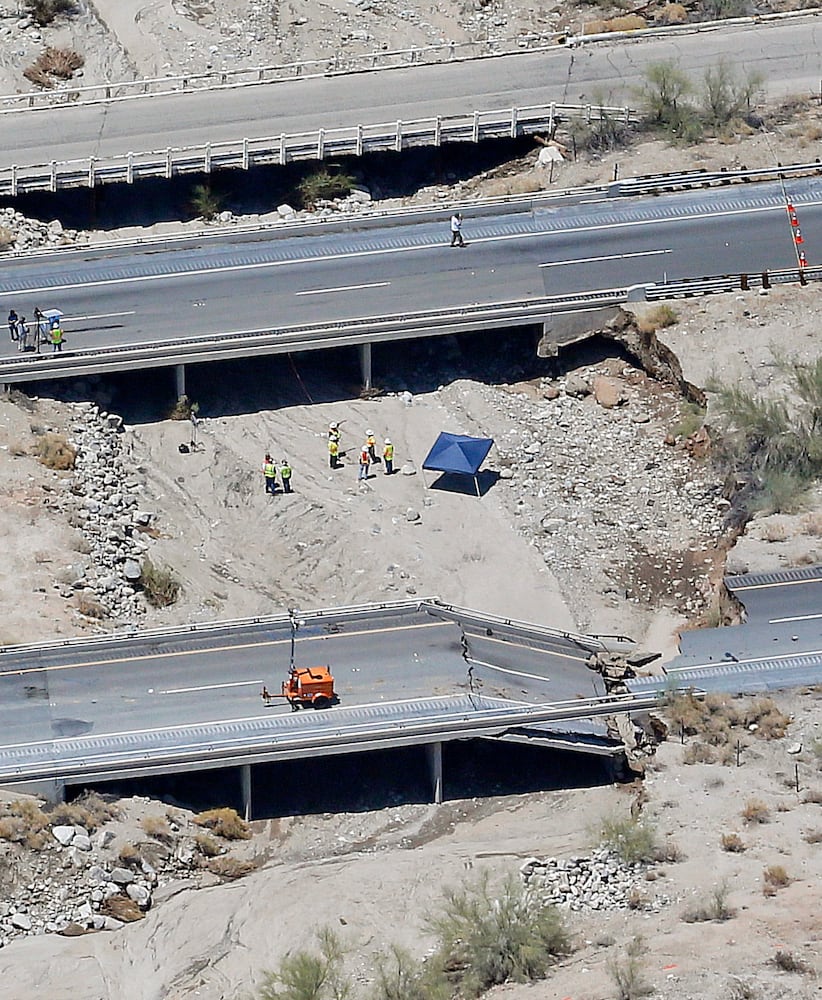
(699,753)
(732,843)
(813,836)
(771,723)
(230,868)
(34,74)
(657,318)
(627,22)
(671,13)
(130,856)
(756,811)
(812,524)
(95,805)
(714,908)
(775,531)
(158,828)
(90,607)
(73,814)
(54,451)
(121,908)
(159,584)
(628,974)
(669,851)
(786,961)
(521,184)
(24,823)
(6,237)
(207,845)
(225,823)
(776,876)
(51,64)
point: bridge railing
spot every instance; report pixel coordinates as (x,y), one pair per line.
(244,153)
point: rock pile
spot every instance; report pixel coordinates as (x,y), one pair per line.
(19,233)
(102,501)
(598,882)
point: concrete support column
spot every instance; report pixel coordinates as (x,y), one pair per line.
(51,789)
(433,751)
(180,379)
(245,784)
(365,365)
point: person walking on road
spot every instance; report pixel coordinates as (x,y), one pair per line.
(13,321)
(57,338)
(333,452)
(456,230)
(270,475)
(285,475)
(365,462)
(388,457)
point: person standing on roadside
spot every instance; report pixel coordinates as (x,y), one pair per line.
(13,321)
(388,457)
(22,334)
(371,443)
(456,230)
(333,452)
(270,475)
(56,338)
(285,475)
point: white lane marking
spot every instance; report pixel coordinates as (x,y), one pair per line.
(776,586)
(507,670)
(793,618)
(344,288)
(209,687)
(610,256)
(233,268)
(522,645)
(74,319)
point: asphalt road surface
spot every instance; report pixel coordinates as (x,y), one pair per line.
(786,53)
(266,281)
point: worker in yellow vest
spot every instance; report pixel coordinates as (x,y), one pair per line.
(388,457)
(285,475)
(371,445)
(270,475)
(333,452)
(56,338)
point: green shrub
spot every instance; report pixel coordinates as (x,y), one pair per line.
(632,840)
(323,185)
(715,907)
(627,973)
(305,975)
(399,977)
(205,202)
(490,938)
(159,584)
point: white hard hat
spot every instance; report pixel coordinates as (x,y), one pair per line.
(370,433)
(388,440)
(333,426)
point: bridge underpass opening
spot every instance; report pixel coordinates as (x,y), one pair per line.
(364,782)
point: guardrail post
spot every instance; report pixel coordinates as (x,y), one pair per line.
(743,282)
(766,281)
(108,92)
(53,178)
(513,123)
(282,150)
(245,154)
(91,171)
(475,128)
(398,138)
(320,143)
(207,158)
(359,140)
(627,115)
(130,168)
(433,751)
(438,131)
(14,180)
(551,115)
(587,114)
(169,167)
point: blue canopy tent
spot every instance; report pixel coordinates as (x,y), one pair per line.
(458,453)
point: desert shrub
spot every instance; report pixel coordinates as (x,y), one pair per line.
(96,807)
(230,868)
(129,855)
(207,845)
(54,451)
(6,237)
(159,584)
(672,13)
(183,409)
(776,876)
(487,938)
(699,753)
(668,851)
(740,989)
(715,907)
(399,977)
(53,64)
(624,22)
(786,961)
(73,814)
(158,828)
(657,318)
(309,975)
(225,823)
(663,96)
(90,606)
(322,185)
(627,973)
(756,811)
(725,96)
(205,202)
(631,839)
(602,134)
(24,822)
(719,10)
(813,836)
(43,12)
(812,524)
(732,843)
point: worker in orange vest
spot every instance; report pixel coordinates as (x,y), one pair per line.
(365,462)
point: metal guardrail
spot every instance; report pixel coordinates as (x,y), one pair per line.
(318,336)
(244,153)
(659,183)
(690,287)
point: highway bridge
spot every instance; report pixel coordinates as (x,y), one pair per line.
(464,100)
(531,261)
(407,674)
